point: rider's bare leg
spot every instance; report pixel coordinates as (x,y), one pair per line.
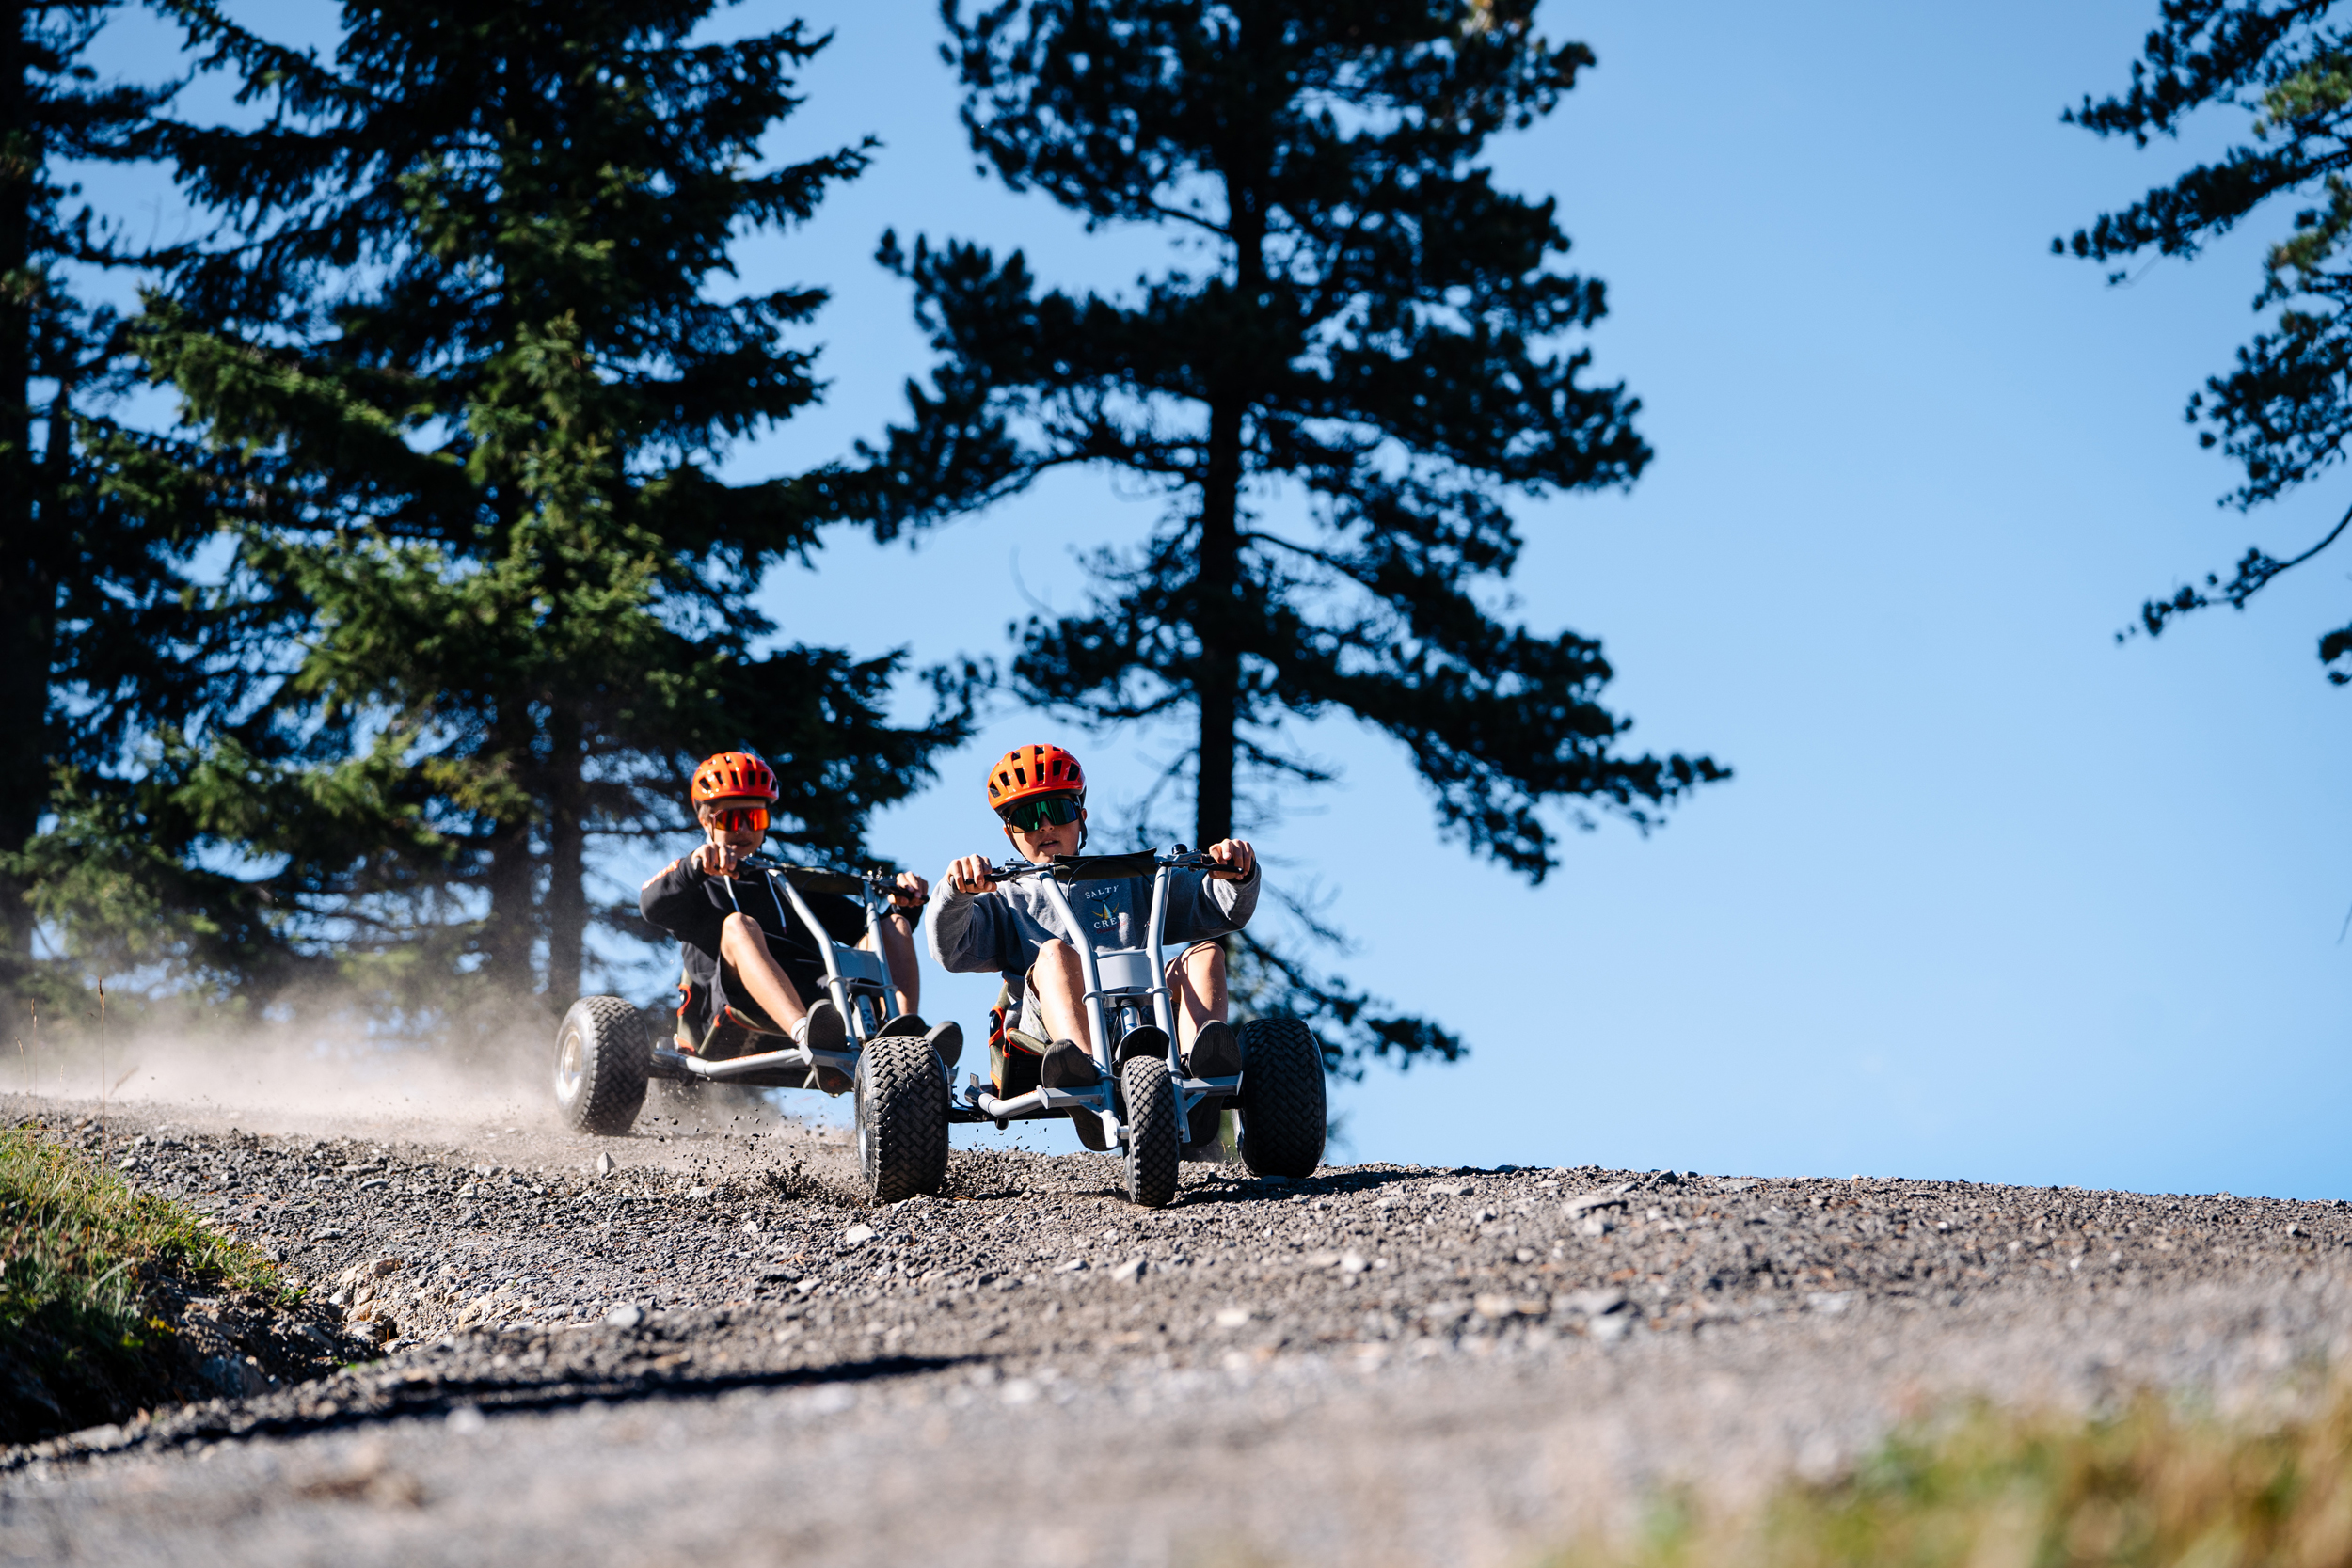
(897,947)
(743,945)
(1061,988)
(1197,979)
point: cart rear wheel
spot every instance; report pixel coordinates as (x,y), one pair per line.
(1282,1098)
(1154,1132)
(601,1055)
(901,1118)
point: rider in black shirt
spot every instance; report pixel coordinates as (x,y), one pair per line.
(745,947)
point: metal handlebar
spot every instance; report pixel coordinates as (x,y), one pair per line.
(1088,868)
(818,879)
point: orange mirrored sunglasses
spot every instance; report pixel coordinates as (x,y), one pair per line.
(741,819)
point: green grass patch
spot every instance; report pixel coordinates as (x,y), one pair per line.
(1993,1489)
(84,1263)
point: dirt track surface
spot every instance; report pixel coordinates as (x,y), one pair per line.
(714,1354)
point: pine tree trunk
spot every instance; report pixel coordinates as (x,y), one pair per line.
(1218,616)
(514,914)
(1218,687)
(568,861)
(28,583)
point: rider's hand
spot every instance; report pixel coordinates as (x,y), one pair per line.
(910,893)
(1234,860)
(970,875)
(717,860)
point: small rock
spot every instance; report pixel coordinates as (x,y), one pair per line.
(375,1183)
(1585,1202)
(1738,1184)
(751,1228)
(1833,1302)
(698,1191)
(1592,1304)
(1019,1391)
(1129,1272)
(1232,1317)
(1598,1226)
(1076,1265)
(604,1165)
(329,1233)
(1613,1327)
(383,1266)
(1322,1260)
(1352,1263)
(857,1235)
(627,1315)
(1451,1189)
(469,1190)
(1495,1307)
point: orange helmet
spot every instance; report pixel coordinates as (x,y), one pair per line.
(731,774)
(1027,770)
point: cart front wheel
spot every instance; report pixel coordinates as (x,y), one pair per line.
(1155,1149)
(901,1118)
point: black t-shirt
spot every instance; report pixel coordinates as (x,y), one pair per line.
(692,905)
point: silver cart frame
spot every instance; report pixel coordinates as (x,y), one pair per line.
(1120,981)
(856,979)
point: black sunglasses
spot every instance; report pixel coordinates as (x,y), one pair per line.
(1029,815)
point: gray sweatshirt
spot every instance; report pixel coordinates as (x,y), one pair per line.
(1003,929)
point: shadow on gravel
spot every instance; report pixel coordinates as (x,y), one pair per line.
(1275,1189)
(360,1399)
(980,1178)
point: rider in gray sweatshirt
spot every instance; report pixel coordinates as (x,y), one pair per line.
(976,924)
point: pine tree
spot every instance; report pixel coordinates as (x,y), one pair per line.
(455,388)
(1356,317)
(2285,412)
(82,580)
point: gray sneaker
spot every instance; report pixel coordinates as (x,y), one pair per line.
(1215,1054)
(822,1030)
(1067,1065)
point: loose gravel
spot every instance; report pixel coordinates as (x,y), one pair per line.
(697,1345)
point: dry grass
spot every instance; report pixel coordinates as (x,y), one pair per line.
(1988,1489)
(82,1259)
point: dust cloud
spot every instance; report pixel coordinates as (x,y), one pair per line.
(474,1082)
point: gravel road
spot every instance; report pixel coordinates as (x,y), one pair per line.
(695,1345)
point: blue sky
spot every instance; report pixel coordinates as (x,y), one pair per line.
(1991,896)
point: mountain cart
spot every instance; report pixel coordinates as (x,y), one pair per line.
(604,1054)
(1144,1104)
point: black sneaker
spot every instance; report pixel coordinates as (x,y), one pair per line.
(947,1040)
(821,1030)
(1215,1054)
(1067,1065)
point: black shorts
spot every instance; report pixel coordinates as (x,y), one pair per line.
(728,991)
